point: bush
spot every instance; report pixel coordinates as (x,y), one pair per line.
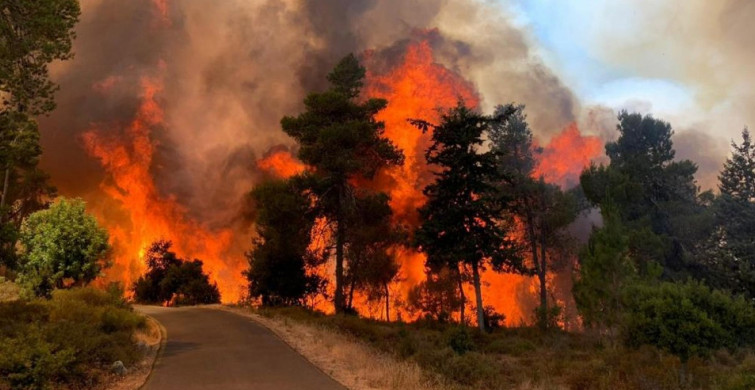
(459,338)
(471,368)
(687,319)
(64,340)
(514,346)
(61,246)
(172,280)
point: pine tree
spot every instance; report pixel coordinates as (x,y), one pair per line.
(340,138)
(279,263)
(655,195)
(543,209)
(732,250)
(34,34)
(605,270)
(737,179)
(463,223)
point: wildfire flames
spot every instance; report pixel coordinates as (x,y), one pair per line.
(281,164)
(137,213)
(127,157)
(417,87)
(566,155)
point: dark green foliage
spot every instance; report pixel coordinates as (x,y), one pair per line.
(459,338)
(34,34)
(605,270)
(731,250)
(656,197)
(65,340)
(437,297)
(687,319)
(170,279)
(189,284)
(737,178)
(28,188)
(278,265)
(463,221)
(371,237)
(339,137)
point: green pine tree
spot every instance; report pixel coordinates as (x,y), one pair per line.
(339,136)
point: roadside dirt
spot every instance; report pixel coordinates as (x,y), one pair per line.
(355,365)
(152,337)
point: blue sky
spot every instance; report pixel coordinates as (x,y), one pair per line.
(567,34)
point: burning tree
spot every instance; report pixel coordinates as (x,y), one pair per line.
(463,221)
(543,209)
(279,263)
(340,138)
(371,264)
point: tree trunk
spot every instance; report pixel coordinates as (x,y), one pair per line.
(5,187)
(543,287)
(539,264)
(350,304)
(461,295)
(340,241)
(387,304)
(478,296)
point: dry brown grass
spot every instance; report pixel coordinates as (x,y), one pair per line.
(153,336)
(9,291)
(353,363)
(350,362)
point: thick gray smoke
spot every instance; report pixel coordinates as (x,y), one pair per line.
(232,69)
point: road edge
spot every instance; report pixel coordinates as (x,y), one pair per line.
(259,320)
(160,349)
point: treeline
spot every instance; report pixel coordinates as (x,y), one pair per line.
(666,258)
(484,196)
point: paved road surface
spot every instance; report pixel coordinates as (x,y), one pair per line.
(214,349)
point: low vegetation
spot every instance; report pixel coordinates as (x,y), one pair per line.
(527,358)
(174,281)
(68,341)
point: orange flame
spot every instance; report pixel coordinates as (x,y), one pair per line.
(146,215)
(567,154)
(416,87)
(281,164)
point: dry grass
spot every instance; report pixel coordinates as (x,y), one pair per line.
(365,354)
(9,291)
(152,336)
(350,362)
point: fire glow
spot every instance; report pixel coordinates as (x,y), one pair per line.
(137,213)
(416,87)
(127,157)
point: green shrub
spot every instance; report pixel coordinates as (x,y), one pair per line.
(406,346)
(459,338)
(29,361)
(471,368)
(435,359)
(687,319)
(514,346)
(64,340)
(743,377)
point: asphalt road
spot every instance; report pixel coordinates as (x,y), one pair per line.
(214,349)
